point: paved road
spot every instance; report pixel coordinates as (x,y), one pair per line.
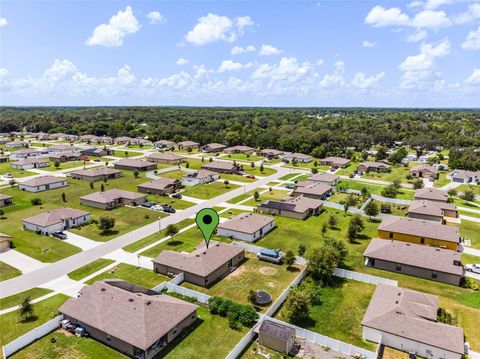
(64,266)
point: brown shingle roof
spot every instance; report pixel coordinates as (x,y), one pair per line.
(336,160)
(167,156)
(111,195)
(323,177)
(55,216)
(246,223)
(410,314)
(417,255)
(43,180)
(431,194)
(317,189)
(222,165)
(201,261)
(28,161)
(420,228)
(131,162)
(104,171)
(139,319)
(430,208)
(424,168)
(5,196)
(374,165)
(159,183)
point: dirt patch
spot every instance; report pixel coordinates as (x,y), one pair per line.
(240,270)
(267,270)
(271,285)
(66,333)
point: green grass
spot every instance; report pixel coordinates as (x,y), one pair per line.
(399,210)
(11,327)
(289,176)
(274,194)
(237,178)
(120,153)
(470,259)
(16,299)
(155,237)
(69,165)
(207,191)
(194,163)
(347,171)
(341,198)
(145,277)
(66,347)
(464,187)
(442,179)
(340,313)
(243,157)
(471,214)
(7,272)
(397,171)
(461,203)
(6,168)
(89,269)
(251,274)
(257,172)
(471,230)
(403,193)
(177,174)
(253,352)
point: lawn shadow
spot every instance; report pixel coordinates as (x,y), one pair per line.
(293,269)
(30,319)
(109,233)
(174,243)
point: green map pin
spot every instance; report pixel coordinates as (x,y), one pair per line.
(207,220)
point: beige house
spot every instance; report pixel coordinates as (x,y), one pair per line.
(315,190)
(441,265)
(96,174)
(16,144)
(432,210)
(213,148)
(64,157)
(56,220)
(5,200)
(239,149)
(406,320)
(223,167)
(292,207)
(166,157)
(5,242)
(431,194)
(372,167)
(134,165)
(297,158)
(29,163)
(199,177)
(335,162)
(247,227)
(112,198)
(270,153)
(324,177)
(42,183)
(204,266)
(161,186)
(276,336)
(134,320)
(424,171)
(185,145)
(164,144)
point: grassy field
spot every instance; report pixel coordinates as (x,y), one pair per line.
(347,171)
(237,178)
(471,214)
(141,276)
(7,272)
(70,165)
(251,274)
(403,193)
(5,168)
(242,157)
(464,187)
(341,198)
(155,237)
(273,194)
(397,209)
(470,259)
(122,154)
(397,171)
(177,174)
(257,172)
(11,327)
(341,311)
(442,179)
(16,299)
(89,269)
(207,191)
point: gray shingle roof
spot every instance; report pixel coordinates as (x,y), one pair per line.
(246,223)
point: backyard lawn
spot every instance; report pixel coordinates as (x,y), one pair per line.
(341,198)
(126,153)
(89,269)
(207,191)
(5,168)
(177,174)
(464,187)
(341,311)
(442,179)
(11,327)
(399,210)
(7,272)
(397,171)
(402,193)
(71,165)
(273,194)
(16,299)
(251,274)
(145,277)
(257,172)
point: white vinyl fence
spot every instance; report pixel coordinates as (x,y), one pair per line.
(241,345)
(201,297)
(366,278)
(276,305)
(28,338)
(178,279)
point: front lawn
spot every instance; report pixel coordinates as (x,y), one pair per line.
(7,272)
(397,172)
(274,194)
(16,299)
(257,172)
(471,230)
(145,277)
(251,274)
(89,269)
(442,179)
(402,193)
(237,178)
(464,187)
(11,327)
(126,153)
(207,191)
(70,165)
(245,157)
(340,313)
(6,168)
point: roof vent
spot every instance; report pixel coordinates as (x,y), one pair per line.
(437,249)
(130,300)
(197,255)
(103,289)
(148,302)
(217,245)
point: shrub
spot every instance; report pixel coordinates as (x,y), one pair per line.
(36,201)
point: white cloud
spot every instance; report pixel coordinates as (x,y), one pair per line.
(474,78)
(433,4)
(417,36)
(319,62)
(380,17)
(472,14)
(242,50)
(229,65)
(267,50)
(182,61)
(3,22)
(213,28)
(472,42)
(366,43)
(336,78)
(430,19)
(419,69)
(288,69)
(414,4)
(364,82)
(112,34)
(3,72)
(156,17)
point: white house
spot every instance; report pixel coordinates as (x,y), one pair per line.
(200,177)
(29,163)
(247,227)
(56,220)
(42,183)
(412,157)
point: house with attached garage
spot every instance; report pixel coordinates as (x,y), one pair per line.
(431,194)
(16,144)
(270,153)
(424,171)
(297,158)
(213,148)
(324,177)
(315,190)
(420,232)
(406,320)
(56,220)
(366,167)
(239,149)
(5,200)
(97,151)
(29,163)
(132,319)
(167,158)
(112,198)
(42,183)
(199,177)
(435,211)
(63,148)
(26,153)
(164,144)
(123,140)
(247,227)
(133,164)
(335,162)
(299,207)
(161,186)
(437,264)
(224,167)
(65,156)
(185,145)
(96,174)
(464,176)
(204,266)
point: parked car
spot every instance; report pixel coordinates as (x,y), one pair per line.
(157,207)
(250,176)
(270,255)
(59,235)
(8,175)
(177,196)
(474,268)
(290,186)
(148,204)
(169,210)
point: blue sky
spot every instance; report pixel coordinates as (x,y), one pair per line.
(418,53)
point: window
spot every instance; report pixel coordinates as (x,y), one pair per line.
(391,235)
(398,267)
(422,240)
(434,275)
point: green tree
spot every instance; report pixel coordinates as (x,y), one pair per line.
(371,209)
(252,296)
(226,183)
(106,224)
(171,231)
(26,309)
(252,164)
(390,191)
(324,229)
(56,164)
(289,258)
(261,167)
(332,221)
(302,248)
(256,195)
(314,170)
(396,182)
(136,173)
(468,195)
(355,226)
(297,305)
(322,262)
(91,185)
(102,188)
